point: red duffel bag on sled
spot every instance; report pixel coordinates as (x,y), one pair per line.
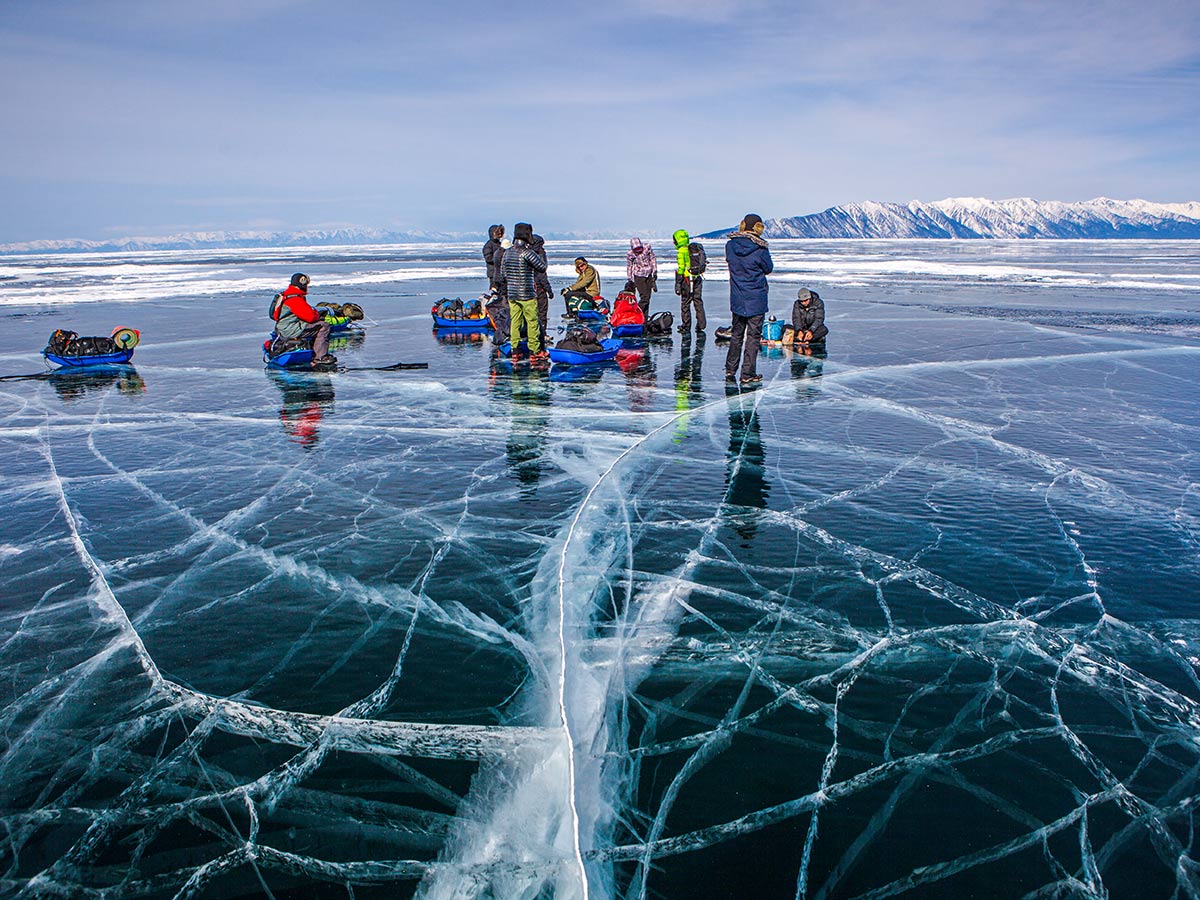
(626,318)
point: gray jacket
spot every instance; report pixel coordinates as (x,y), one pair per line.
(520,266)
(811,317)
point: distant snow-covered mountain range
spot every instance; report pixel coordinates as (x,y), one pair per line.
(218,240)
(962,217)
(973,217)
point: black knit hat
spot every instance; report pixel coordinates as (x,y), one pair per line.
(523,231)
(300,280)
(750,220)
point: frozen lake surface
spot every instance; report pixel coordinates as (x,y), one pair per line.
(919,618)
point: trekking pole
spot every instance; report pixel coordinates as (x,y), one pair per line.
(394,367)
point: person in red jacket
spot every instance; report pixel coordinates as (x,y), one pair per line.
(295,319)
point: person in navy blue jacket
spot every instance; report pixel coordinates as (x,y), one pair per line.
(750,263)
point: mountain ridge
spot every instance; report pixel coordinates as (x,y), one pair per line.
(263,239)
(981,218)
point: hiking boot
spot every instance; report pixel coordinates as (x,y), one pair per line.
(540,357)
(327,361)
(731,377)
(752,379)
(683,329)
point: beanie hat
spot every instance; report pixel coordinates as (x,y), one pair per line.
(750,221)
(806,294)
(300,280)
(523,231)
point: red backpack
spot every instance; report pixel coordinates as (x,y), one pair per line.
(626,310)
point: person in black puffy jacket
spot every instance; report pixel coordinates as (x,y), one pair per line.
(544,291)
(521,265)
(808,318)
(495,235)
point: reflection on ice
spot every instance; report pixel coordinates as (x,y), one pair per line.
(72,384)
(306,398)
(915,618)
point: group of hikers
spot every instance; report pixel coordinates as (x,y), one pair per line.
(518,282)
(516,271)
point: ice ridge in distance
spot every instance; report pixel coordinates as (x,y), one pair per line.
(975,217)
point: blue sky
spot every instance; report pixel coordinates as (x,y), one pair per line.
(138,117)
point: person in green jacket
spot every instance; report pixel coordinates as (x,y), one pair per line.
(689,285)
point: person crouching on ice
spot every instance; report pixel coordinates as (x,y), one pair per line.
(586,286)
(808,318)
(296,320)
(521,265)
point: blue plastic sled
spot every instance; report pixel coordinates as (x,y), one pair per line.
(634,330)
(300,358)
(120,358)
(572,358)
(474,324)
(292,359)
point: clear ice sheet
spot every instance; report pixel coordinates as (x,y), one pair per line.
(916,619)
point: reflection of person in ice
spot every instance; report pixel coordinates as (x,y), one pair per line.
(745,470)
(689,391)
(71,385)
(528,396)
(637,365)
(306,398)
(807,363)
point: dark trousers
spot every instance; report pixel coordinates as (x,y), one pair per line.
(645,287)
(318,333)
(543,311)
(691,294)
(744,340)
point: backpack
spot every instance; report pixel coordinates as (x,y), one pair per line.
(91,346)
(580,340)
(449,309)
(659,323)
(699,258)
(273,311)
(59,341)
(626,310)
